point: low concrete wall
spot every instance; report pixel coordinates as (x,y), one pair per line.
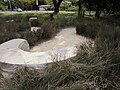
(14,44)
(16,53)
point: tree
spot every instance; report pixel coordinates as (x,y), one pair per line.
(80,12)
(56,5)
(10,4)
(108,6)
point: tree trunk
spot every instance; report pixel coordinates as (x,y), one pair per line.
(100,7)
(79,8)
(10,5)
(56,6)
(56,9)
(98,12)
(83,14)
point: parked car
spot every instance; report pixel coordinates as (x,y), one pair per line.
(18,9)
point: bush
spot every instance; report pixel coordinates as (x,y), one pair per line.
(39,33)
(41,19)
(2,7)
(72,8)
(12,30)
(111,36)
(92,30)
(30,37)
(6,36)
(80,29)
(65,20)
(10,26)
(49,29)
(23,26)
(89,28)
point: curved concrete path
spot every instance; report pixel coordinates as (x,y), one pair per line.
(67,37)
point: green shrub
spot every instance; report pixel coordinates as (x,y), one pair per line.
(111,36)
(65,20)
(89,28)
(61,20)
(92,30)
(30,37)
(13,23)
(72,8)
(10,26)
(49,29)
(80,29)
(2,7)
(41,19)
(39,34)
(13,26)
(6,36)
(11,30)
(23,26)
